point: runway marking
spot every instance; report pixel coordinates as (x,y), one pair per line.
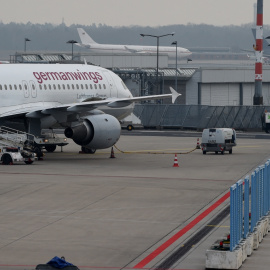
(217,226)
(89,267)
(119,176)
(179,234)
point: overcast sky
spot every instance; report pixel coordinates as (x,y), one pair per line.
(131,12)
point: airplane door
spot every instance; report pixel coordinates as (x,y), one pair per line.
(109,81)
(25,89)
(33,89)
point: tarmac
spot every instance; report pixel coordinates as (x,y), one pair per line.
(129,212)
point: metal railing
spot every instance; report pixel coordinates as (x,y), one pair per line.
(200,116)
(254,189)
(13,137)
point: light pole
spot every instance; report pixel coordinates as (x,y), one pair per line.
(175,43)
(25,40)
(72,43)
(157,37)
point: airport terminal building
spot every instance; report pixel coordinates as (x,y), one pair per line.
(214,84)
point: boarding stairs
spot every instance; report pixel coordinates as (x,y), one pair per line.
(15,138)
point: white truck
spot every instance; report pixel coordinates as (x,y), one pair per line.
(10,155)
(218,140)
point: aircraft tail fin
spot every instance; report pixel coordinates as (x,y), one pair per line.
(85,38)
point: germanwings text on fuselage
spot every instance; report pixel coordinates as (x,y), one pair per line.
(64,76)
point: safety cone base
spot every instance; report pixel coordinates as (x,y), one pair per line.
(112,154)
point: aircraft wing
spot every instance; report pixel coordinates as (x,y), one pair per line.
(39,110)
(134,51)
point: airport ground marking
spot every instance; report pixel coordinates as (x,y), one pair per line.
(88,267)
(118,176)
(180,233)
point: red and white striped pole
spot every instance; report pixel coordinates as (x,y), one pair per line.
(258,97)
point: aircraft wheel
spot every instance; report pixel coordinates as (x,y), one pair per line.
(204,152)
(230,151)
(216,152)
(6,159)
(50,148)
(29,161)
(38,152)
(88,150)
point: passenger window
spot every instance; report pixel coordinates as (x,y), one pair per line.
(20,86)
(104,86)
(10,87)
(0,86)
(5,87)
(25,87)
(68,87)
(73,86)
(95,86)
(99,86)
(54,87)
(15,86)
(50,87)
(45,87)
(33,87)
(82,86)
(59,87)
(77,86)
(63,86)
(91,86)
(40,86)
(86,86)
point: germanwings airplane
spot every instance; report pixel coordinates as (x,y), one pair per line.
(88,101)
(88,43)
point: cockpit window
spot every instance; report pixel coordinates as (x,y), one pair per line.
(125,87)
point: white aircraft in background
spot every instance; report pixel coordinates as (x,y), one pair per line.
(88,43)
(88,101)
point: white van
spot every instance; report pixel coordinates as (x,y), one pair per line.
(218,140)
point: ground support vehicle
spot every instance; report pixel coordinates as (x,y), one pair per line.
(10,155)
(49,141)
(16,146)
(218,140)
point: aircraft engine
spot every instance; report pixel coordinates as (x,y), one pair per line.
(95,132)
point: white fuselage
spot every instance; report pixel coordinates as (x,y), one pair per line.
(110,48)
(28,87)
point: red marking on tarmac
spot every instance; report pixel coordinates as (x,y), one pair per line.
(89,267)
(175,237)
(119,176)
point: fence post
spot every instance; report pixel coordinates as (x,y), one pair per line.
(253,201)
(239,210)
(232,217)
(246,207)
(261,188)
(268,181)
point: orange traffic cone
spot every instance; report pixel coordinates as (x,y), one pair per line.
(175,164)
(198,144)
(112,153)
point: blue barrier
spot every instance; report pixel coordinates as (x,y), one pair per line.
(255,189)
